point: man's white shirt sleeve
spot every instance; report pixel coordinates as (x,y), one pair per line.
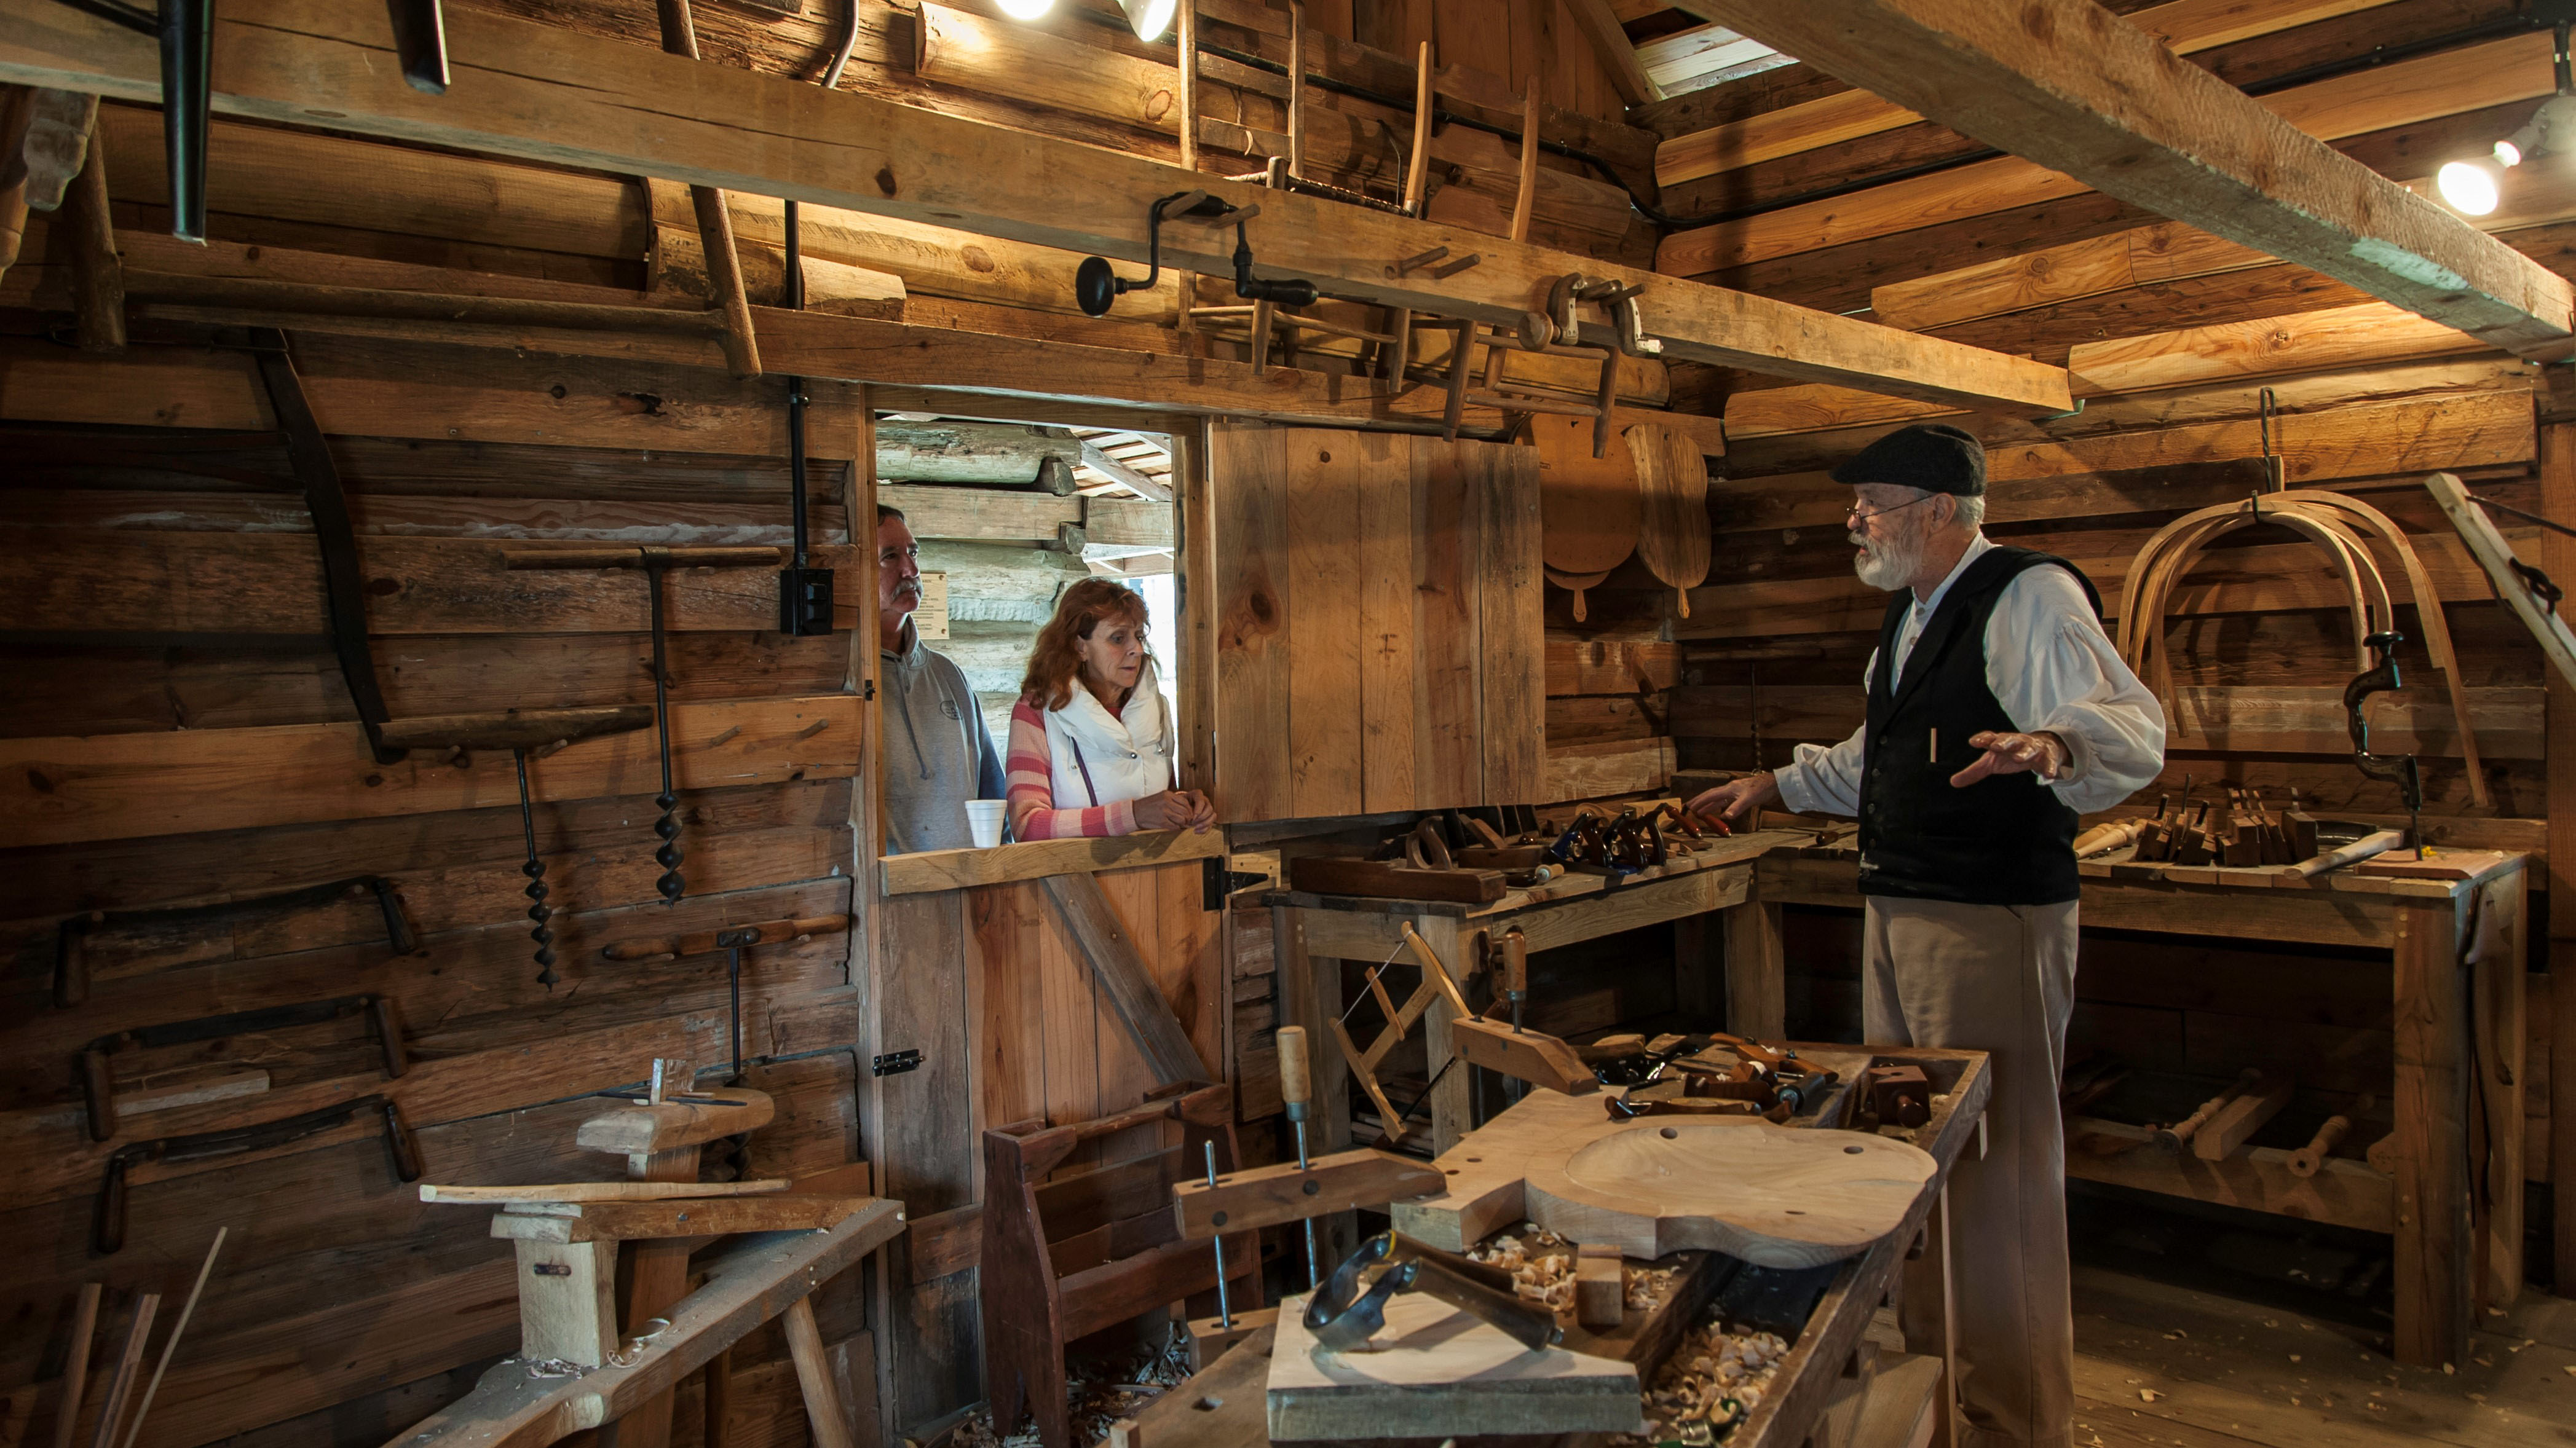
(2052,669)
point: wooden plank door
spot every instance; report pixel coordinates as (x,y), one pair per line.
(1377,623)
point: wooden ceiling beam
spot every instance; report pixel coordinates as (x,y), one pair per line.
(1617,55)
(548,95)
(2075,89)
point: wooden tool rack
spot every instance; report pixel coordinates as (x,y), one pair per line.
(1315,933)
(1223,1406)
(2457,947)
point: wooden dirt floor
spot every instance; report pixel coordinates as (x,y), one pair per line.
(2179,1367)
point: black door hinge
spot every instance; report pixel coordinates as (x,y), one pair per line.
(1217,882)
(894,1063)
(867,688)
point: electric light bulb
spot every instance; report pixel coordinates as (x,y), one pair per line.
(2508,154)
(1025,9)
(1149,18)
(2468,186)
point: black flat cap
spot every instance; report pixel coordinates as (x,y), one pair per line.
(1933,456)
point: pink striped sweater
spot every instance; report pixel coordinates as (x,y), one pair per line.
(1031,791)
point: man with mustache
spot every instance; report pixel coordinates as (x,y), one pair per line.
(1998,712)
(937,755)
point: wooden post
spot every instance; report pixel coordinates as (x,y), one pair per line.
(2497,991)
(1756,970)
(1449,1095)
(659,1278)
(2434,1240)
(2558,559)
(715,223)
(1296,88)
(1188,40)
(823,1410)
(1195,591)
(98,277)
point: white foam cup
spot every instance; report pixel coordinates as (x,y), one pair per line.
(984,817)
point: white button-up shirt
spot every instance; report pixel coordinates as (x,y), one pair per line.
(2052,669)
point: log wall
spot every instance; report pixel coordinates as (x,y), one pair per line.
(180,731)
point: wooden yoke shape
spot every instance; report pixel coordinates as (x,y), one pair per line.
(1068,1257)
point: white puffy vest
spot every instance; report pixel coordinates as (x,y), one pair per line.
(1100,758)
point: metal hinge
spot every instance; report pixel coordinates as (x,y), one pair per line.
(1217,882)
(894,1063)
(867,688)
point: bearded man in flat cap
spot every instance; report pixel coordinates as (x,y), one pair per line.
(1998,712)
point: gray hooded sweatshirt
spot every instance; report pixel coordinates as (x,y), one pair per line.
(937,755)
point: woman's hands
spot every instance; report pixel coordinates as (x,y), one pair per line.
(1176,809)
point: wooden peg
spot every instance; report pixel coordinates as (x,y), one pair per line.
(2310,1159)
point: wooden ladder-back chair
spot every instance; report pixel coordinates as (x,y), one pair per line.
(2340,525)
(1063,1259)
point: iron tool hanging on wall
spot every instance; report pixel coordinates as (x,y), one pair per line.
(732,940)
(186,30)
(655,561)
(71,958)
(525,733)
(1097,287)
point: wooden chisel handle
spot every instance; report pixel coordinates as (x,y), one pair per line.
(1515,964)
(2361,849)
(1296,1080)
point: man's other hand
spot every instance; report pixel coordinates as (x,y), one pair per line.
(1737,798)
(2043,754)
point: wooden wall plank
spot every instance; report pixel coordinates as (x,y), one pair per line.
(1510,647)
(1389,670)
(1248,479)
(174,583)
(2338,338)
(2467,430)
(1325,737)
(64,790)
(1448,611)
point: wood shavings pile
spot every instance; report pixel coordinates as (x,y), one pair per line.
(1542,1268)
(1099,1390)
(1540,1261)
(1710,1366)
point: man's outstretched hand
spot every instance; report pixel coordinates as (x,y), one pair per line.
(1736,798)
(2043,754)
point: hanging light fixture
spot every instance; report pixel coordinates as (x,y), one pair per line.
(1149,18)
(1025,9)
(2476,187)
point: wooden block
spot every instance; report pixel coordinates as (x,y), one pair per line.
(680,1217)
(1436,1372)
(2242,1117)
(1220,1406)
(2436,865)
(1272,1196)
(1211,1338)
(1382,880)
(640,1128)
(566,1301)
(1541,1060)
(1600,1286)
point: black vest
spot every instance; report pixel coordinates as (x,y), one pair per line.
(2005,840)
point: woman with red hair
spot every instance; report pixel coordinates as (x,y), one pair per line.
(1091,744)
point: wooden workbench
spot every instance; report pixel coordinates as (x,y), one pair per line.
(1223,1407)
(2457,946)
(1315,933)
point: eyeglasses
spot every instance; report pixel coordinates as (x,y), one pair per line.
(1864,513)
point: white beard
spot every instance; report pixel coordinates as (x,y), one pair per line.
(1888,564)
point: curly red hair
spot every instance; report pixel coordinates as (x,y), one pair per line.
(1053,661)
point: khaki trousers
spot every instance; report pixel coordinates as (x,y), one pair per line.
(1996,978)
